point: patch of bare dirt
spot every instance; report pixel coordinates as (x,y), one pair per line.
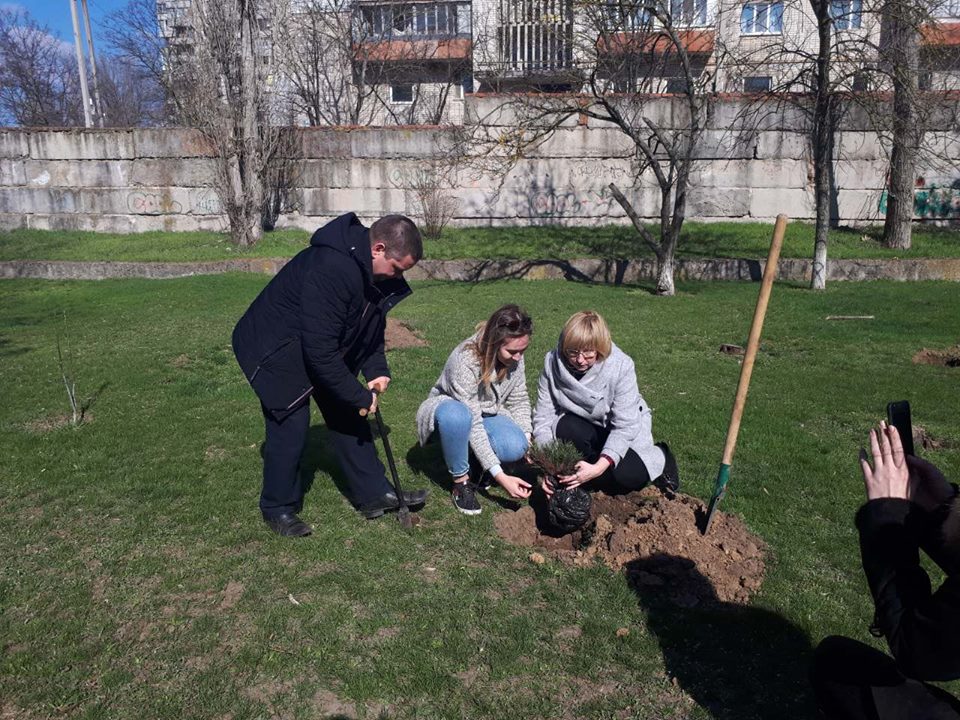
(947,358)
(231,595)
(181,361)
(655,540)
(214,453)
(54,422)
(923,439)
(327,704)
(399,335)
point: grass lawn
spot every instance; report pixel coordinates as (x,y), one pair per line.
(751,240)
(138,582)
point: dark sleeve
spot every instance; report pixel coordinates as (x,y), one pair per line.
(928,527)
(376,365)
(921,627)
(324,307)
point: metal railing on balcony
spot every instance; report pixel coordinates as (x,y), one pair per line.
(535,36)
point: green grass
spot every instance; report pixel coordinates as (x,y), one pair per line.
(751,240)
(138,582)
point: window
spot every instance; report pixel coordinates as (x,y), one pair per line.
(418,19)
(861,82)
(761,18)
(846,14)
(677,85)
(401,94)
(757,84)
(627,16)
(688,12)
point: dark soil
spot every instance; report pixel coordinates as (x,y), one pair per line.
(399,335)
(655,540)
(948,358)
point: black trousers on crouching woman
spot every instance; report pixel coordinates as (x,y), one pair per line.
(630,473)
(352,440)
(853,681)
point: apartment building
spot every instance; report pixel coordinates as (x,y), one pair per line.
(414,61)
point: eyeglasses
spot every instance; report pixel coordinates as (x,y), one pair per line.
(587,355)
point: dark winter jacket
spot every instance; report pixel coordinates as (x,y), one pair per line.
(921,626)
(318,323)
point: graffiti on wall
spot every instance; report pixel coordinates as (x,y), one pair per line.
(202,202)
(933,200)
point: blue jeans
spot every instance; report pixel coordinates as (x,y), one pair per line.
(452,420)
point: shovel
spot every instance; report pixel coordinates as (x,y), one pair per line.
(403,514)
(753,344)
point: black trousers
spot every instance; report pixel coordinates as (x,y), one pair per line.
(629,474)
(353,445)
(854,681)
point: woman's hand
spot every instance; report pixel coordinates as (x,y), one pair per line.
(585,472)
(514,486)
(889,477)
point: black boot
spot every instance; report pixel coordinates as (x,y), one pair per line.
(669,480)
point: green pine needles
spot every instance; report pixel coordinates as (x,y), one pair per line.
(555,458)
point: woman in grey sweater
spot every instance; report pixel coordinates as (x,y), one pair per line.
(480,403)
(588,395)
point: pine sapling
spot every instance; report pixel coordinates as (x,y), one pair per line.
(555,458)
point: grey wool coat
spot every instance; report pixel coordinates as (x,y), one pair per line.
(608,396)
(460,380)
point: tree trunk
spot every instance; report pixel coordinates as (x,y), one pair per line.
(822,142)
(665,269)
(904,57)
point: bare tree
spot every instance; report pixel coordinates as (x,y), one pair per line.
(327,85)
(901,50)
(217,65)
(628,53)
(38,76)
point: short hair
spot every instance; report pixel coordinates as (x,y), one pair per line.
(399,235)
(586,330)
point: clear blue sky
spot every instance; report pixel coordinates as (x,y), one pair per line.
(56,14)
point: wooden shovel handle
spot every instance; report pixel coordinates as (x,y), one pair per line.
(753,343)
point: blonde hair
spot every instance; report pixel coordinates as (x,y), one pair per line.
(506,323)
(586,330)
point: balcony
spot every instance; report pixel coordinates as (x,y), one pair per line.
(655,42)
(413,32)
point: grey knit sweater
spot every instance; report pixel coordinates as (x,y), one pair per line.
(460,380)
(608,396)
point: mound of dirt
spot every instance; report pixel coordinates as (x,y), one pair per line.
(948,358)
(655,540)
(399,335)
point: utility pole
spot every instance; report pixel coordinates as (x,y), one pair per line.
(97,104)
(80,65)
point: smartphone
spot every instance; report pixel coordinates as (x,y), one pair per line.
(898,415)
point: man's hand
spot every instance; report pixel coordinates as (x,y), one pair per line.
(928,487)
(585,472)
(379,384)
(373,405)
(889,476)
(514,486)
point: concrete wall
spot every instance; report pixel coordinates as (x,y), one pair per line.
(160,179)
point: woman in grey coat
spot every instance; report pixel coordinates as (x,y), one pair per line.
(588,395)
(480,404)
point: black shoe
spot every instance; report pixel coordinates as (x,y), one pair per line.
(388,503)
(669,480)
(287,525)
(465,498)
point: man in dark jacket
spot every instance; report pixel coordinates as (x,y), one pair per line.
(317,324)
(910,506)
